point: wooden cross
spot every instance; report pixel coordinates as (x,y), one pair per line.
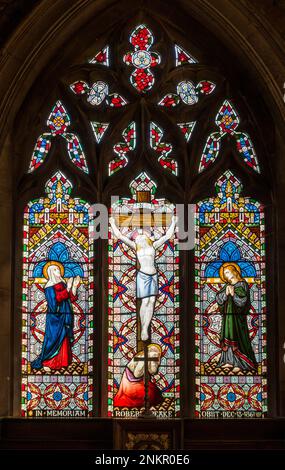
(143,219)
(146,413)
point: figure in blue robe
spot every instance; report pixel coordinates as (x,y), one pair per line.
(56,348)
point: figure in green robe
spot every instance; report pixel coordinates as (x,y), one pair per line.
(234,304)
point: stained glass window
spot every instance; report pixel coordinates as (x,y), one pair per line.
(102,57)
(58,123)
(122,149)
(187,129)
(230,317)
(142,59)
(99,129)
(134,122)
(143,304)
(57,335)
(187,93)
(227,121)
(98,93)
(183,57)
(162,149)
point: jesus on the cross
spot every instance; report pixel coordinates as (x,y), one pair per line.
(147,277)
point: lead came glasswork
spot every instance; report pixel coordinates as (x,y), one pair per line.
(163,149)
(122,149)
(125,377)
(187,93)
(57,308)
(183,57)
(187,129)
(98,93)
(228,121)
(99,130)
(58,123)
(143,305)
(142,79)
(102,57)
(230,315)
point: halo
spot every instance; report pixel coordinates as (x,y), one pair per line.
(152,345)
(226,265)
(52,263)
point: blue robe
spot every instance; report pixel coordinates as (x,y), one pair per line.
(59,324)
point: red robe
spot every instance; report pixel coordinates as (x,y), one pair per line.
(131,393)
(64,355)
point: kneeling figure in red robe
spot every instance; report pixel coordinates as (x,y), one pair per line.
(131,393)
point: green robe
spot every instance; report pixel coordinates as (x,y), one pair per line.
(234,331)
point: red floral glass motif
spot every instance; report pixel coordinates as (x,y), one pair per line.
(142,59)
(102,57)
(183,57)
(58,123)
(122,148)
(162,149)
(97,93)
